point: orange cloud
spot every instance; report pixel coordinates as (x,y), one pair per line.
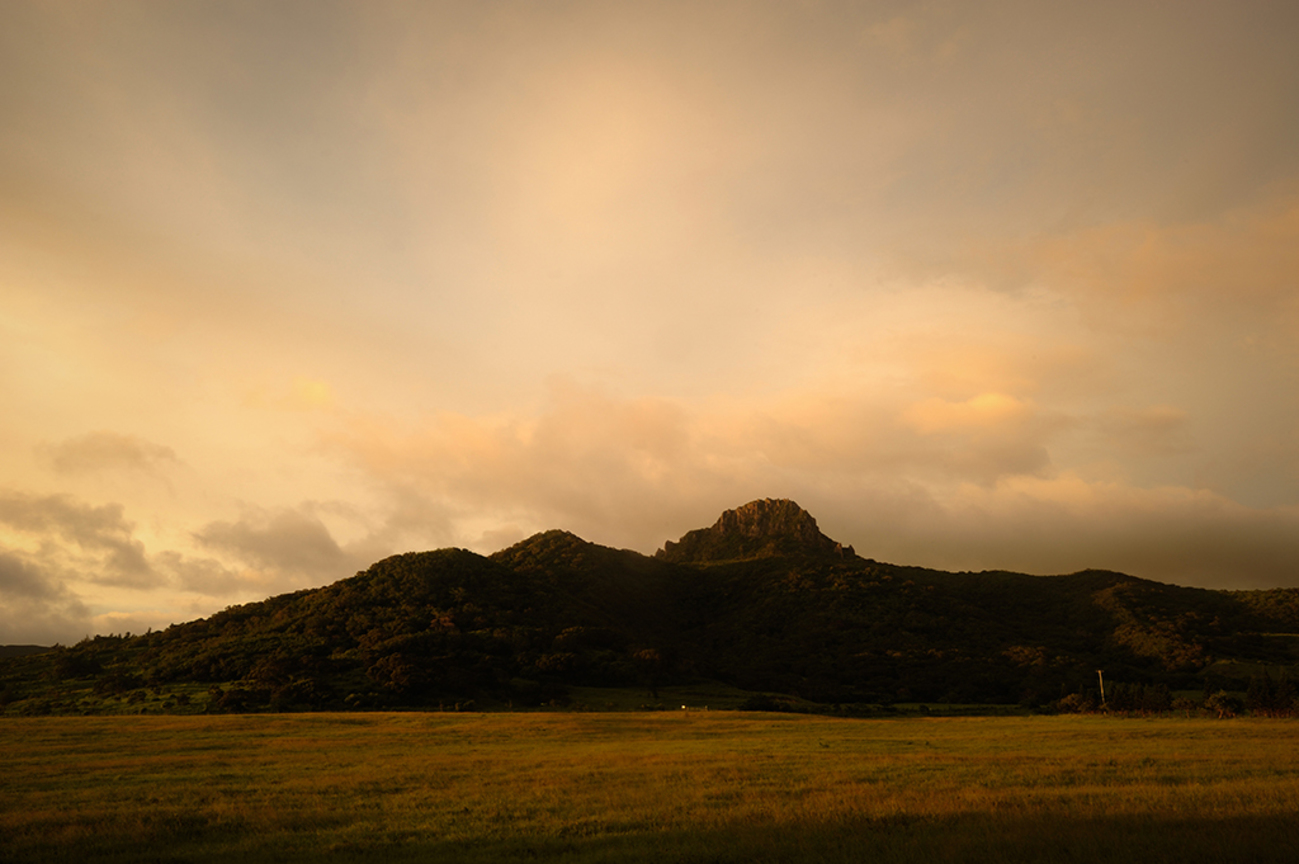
(985,411)
(1240,266)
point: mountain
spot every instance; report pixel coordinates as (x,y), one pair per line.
(761,600)
(759,529)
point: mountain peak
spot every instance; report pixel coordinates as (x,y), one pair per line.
(764,528)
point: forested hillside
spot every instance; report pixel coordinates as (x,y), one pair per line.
(762,600)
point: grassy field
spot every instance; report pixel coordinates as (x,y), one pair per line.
(663,786)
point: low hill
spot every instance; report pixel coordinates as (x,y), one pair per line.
(22,650)
(761,600)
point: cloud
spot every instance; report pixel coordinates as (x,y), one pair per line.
(921,266)
(985,411)
(100,451)
(281,548)
(955,484)
(18,579)
(301,394)
(94,543)
(1237,269)
(585,446)
(206,576)
(589,462)
(35,607)
(1175,534)
(1153,430)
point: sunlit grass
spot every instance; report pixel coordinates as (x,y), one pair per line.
(712,786)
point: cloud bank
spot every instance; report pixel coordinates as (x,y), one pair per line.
(983,285)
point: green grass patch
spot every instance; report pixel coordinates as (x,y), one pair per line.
(649,786)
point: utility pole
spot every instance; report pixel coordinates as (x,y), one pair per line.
(1101,677)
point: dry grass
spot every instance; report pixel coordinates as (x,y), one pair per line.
(693,786)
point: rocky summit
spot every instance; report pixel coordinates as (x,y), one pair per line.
(766,528)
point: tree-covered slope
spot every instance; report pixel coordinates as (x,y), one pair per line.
(761,600)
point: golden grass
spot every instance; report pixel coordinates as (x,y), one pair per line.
(694,786)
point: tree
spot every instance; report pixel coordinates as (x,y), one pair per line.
(650,664)
(398,673)
(1224,704)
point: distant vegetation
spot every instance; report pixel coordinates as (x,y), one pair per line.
(762,601)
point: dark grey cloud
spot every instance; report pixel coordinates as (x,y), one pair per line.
(1063,524)
(35,606)
(19,580)
(96,542)
(290,546)
(206,576)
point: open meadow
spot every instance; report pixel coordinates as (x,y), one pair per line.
(654,786)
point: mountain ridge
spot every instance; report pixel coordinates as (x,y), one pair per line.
(761,600)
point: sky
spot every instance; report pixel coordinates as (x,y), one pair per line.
(289,287)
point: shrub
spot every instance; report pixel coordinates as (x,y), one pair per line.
(1075,703)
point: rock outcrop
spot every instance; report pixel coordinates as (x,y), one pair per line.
(765,528)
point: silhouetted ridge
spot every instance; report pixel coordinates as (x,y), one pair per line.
(765,528)
(762,600)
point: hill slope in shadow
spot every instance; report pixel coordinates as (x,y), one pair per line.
(761,600)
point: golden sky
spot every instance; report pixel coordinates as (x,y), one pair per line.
(288,287)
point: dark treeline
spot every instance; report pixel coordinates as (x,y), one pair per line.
(1266,696)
